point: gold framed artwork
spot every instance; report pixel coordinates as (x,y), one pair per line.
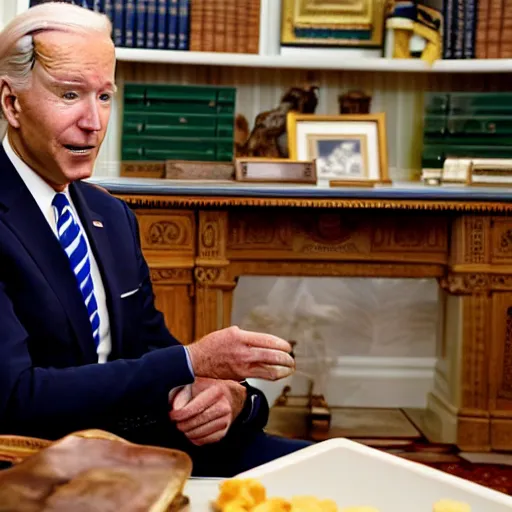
(338,23)
(275,170)
(347,149)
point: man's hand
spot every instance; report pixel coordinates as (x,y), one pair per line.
(236,354)
(205,410)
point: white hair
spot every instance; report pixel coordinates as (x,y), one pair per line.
(17,49)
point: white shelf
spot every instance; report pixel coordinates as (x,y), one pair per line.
(327,60)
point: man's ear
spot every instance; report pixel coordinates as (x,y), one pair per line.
(9,104)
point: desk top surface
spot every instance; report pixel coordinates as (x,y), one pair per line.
(235,193)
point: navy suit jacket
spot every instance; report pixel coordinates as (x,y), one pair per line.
(50,384)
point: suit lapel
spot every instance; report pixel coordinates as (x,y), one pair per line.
(23,216)
(97,233)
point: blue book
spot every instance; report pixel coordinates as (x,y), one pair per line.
(161,23)
(118,22)
(470,19)
(183,24)
(172,25)
(458,34)
(129,23)
(448,29)
(97,5)
(151,24)
(108,11)
(141,16)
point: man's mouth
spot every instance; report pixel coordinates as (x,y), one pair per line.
(78,149)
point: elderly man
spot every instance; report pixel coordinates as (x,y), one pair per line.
(81,343)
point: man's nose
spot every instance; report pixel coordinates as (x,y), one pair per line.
(90,119)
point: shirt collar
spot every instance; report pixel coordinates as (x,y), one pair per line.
(40,190)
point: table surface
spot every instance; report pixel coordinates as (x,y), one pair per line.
(397,191)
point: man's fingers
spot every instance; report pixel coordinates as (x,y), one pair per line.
(263,340)
(211,414)
(212,438)
(279,372)
(197,405)
(271,357)
(218,425)
(183,396)
(270,372)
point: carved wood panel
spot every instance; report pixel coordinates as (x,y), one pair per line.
(471,240)
(163,276)
(337,235)
(177,305)
(470,283)
(331,269)
(500,382)
(476,332)
(501,355)
(173,232)
(501,240)
(168,244)
(212,236)
(211,272)
(506,378)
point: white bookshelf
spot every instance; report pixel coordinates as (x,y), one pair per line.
(329,60)
(270,55)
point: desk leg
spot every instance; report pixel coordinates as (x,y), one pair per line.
(458,406)
(500,382)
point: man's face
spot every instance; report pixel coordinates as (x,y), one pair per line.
(63,115)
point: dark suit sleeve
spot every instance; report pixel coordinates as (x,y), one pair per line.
(50,402)
(254,415)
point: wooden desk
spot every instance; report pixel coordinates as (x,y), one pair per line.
(199,239)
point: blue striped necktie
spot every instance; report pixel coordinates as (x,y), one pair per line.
(73,242)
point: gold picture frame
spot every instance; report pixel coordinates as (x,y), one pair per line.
(348,149)
(355,18)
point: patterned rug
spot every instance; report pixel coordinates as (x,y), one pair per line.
(494,476)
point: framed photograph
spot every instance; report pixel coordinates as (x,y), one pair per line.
(347,149)
(279,170)
(333,23)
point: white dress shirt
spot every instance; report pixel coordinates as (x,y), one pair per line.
(43,195)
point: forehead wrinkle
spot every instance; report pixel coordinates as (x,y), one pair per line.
(56,59)
(51,52)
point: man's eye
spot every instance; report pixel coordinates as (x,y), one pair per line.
(70,96)
(105,97)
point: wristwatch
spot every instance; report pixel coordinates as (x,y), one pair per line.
(252,404)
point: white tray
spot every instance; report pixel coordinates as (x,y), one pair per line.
(354,475)
(201,492)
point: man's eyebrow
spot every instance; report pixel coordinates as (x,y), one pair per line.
(79,83)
